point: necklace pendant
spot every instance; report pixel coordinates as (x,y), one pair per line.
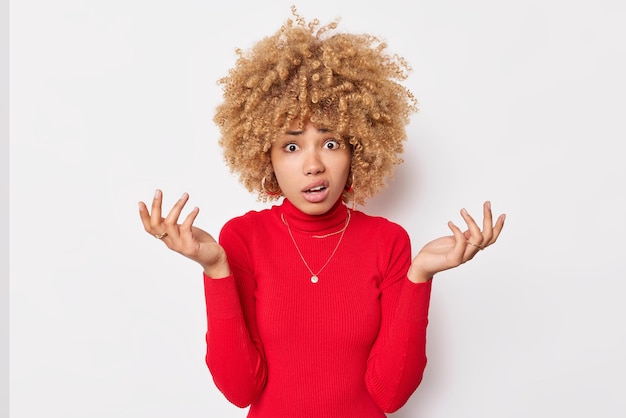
(314,278)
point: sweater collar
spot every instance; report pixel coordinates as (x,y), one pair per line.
(325,223)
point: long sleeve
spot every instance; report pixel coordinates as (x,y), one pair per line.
(234,350)
(398,357)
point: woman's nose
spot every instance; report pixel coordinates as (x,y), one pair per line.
(313,163)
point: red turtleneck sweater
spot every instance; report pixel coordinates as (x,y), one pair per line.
(350,345)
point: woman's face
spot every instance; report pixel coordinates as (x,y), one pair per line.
(311,167)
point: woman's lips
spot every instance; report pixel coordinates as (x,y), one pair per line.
(316,192)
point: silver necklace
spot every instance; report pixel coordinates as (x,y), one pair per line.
(315,276)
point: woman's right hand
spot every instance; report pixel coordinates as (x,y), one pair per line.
(184,238)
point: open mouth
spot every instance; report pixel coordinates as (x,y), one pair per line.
(315,189)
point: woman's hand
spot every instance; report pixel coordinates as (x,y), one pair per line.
(451,251)
(184,238)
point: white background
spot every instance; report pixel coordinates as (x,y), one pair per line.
(522,103)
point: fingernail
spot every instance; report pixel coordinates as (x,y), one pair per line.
(463,211)
(157,193)
(184,195)
(488,204)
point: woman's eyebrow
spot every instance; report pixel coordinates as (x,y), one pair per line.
(299,131)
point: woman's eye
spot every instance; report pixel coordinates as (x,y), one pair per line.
(291,147)
(331,144)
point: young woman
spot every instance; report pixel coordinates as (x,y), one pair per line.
(315,309)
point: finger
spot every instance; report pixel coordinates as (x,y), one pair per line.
(155,216)
(187,224)
(145,216)
(476,236)
(460,243)
(487,223)
(171,220)
(497,228)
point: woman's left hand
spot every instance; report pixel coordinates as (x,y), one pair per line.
(451,251)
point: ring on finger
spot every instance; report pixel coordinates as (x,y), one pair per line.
(161,235)
(480,247)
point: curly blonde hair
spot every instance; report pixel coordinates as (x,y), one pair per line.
(341,81)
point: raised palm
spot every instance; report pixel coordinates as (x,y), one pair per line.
(453,250)
(184,238)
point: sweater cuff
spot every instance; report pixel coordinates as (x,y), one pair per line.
(222,298)
(415,301)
